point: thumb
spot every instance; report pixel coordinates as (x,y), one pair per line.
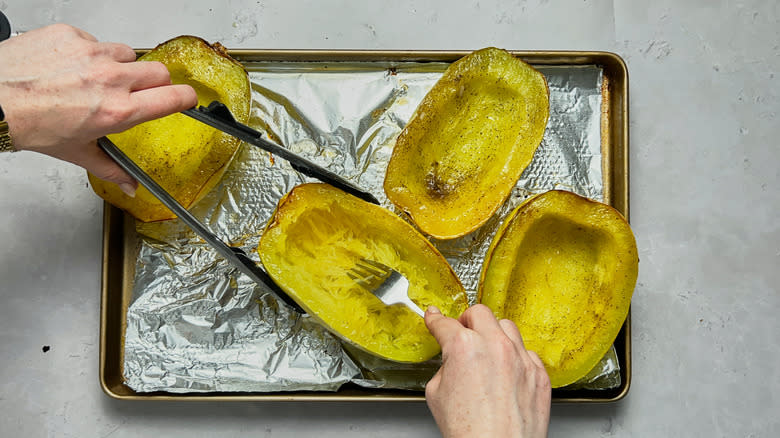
(102,166)
(441,327)
(432,387)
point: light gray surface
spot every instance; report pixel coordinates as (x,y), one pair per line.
(704,181)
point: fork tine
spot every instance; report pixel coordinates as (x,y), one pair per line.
(360,280)
(373,269)
(361,271)
(387,284)
(376,265)
(365,277)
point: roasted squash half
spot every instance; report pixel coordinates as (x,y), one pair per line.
(563,268)
(319,232)
(184,156)
(468,142)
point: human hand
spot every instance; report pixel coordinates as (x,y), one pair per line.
(488,385)
(61,89)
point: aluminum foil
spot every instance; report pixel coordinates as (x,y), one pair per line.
(195,324)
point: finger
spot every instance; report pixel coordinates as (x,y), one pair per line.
(84,34)
(441,327)
(480,318)
(79,32)
(143,75)
(512,332)
(157,102)
(118,51)
(536,359)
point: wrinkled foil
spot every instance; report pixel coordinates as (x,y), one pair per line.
(195,324)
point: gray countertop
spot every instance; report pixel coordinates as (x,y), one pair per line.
(704,163)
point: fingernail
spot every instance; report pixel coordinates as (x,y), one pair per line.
(128,189)
(433,309)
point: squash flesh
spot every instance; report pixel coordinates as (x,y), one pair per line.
(319,232)
(563,268)
(186,157)
(468,143)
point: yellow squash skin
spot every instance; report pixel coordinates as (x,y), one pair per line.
(563,268)
(318,232)
(468,142)
(184,156)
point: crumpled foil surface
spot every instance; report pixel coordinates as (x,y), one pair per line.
(195,324)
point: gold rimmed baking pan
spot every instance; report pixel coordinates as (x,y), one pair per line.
(120,242)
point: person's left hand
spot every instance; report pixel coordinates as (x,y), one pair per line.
(61,89)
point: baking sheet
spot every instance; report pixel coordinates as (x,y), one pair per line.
(194,324)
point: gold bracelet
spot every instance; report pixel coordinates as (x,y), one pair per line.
(6,144)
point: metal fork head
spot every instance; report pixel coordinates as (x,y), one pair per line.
(370,274)
(385,283)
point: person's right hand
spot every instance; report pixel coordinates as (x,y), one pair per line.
(489,385)
(61,89)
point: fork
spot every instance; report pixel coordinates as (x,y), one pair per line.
(385,283)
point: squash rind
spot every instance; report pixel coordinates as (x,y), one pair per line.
(318,232)
(563,268)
